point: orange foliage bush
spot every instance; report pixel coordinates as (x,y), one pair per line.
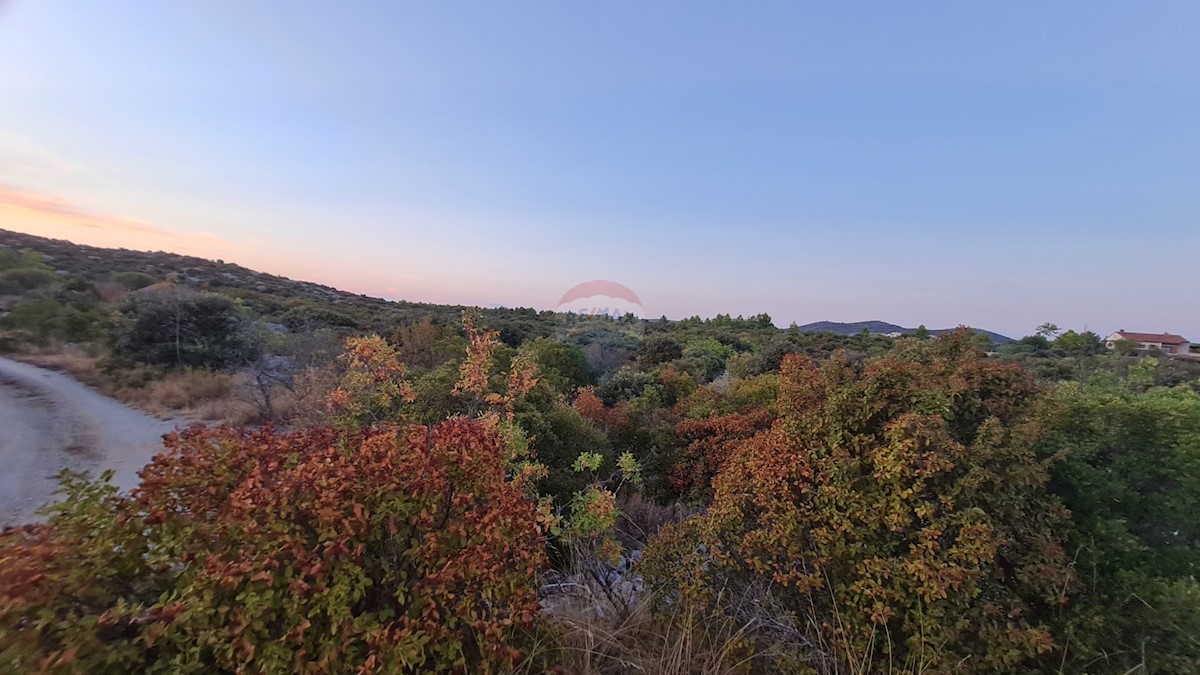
(895,511)
(710,443)
(593,409)
(399,549)
(474,384)
(373,387)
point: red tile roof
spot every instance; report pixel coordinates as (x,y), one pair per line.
(1161,338)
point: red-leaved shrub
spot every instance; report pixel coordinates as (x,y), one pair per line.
(399,549)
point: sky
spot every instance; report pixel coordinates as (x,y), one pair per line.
(941,163)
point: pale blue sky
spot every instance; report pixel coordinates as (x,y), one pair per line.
(997,164)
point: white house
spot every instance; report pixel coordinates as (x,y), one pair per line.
(1164,342)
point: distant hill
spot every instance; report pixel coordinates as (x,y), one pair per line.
(853,328)
(883,327)
(96,262)
(271,293)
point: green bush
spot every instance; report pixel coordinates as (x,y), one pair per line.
(560,434)
(133,280)
(562,366)
(49,319)
(181,328)
(626,384)
(657,349)
(1131,478)
(25,258)
(29,278)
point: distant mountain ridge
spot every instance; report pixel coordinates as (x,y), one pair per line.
(215,274)
(856,327)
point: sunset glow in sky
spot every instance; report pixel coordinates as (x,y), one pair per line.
(995,164)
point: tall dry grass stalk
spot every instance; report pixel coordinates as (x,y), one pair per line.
(681,641)
(70,359)
(198,395)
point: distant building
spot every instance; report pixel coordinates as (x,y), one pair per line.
(1164,342)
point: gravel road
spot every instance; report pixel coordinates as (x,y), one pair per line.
(49,422)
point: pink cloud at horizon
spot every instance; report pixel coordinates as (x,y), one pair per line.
(51,216)
(55,217)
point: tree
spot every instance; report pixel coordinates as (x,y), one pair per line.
(1037,342)
(1083,343)
(763,320)
(625,384)
(563,366)
(659,349)
(419,345)
(181,328)
(1047,331)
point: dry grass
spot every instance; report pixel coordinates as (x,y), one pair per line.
(69,359)
(641,519)
(227,411)
(308,400)
(749,634)
(601,623)
(199,395)
(183,390)
(681,642)
(196,394)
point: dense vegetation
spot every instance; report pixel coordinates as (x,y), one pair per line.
(700,495)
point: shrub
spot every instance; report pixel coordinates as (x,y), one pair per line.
(895,512)
(133,280)
(607,419)
(25,258)
(30,278)
(424,344)
(435,398)
(705,358)
(45,320)
(307,317)
(657,349)
(393,550)
(711,442)
(562,366)
(179,328)
(625,384)
(560,434)
(1131,477)
(373,386)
